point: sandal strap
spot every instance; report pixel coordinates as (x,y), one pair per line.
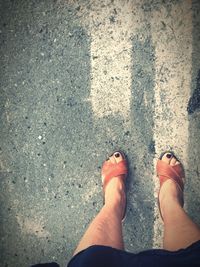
(166,171)
(110,170)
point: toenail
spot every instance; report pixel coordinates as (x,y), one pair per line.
(117,155)
(168,156)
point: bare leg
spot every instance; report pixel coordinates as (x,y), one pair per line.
(106,228)
(179,230)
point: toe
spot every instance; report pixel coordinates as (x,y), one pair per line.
(173,161)
(167,157)
(117,157)
(112,159)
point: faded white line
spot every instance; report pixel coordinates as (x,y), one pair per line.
(111,25)
(172,37)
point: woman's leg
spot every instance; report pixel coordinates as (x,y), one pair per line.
(179,230)
(106,228)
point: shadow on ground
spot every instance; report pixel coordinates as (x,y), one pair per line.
(140,218)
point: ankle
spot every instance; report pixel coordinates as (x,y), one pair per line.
(170,197)
(115,193)
(169,203)
(116,184)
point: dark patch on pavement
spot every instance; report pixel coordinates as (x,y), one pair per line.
(141,216)
(194,102)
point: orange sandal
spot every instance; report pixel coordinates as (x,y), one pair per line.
(110,170)
(166,171)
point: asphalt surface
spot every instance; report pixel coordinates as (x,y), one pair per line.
(79,80)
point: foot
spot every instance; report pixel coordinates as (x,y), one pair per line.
(114,188)
(170,192)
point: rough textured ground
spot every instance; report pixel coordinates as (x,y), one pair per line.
(80,79)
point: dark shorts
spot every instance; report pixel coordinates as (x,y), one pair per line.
(102,256)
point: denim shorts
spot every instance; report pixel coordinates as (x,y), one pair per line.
(102,256)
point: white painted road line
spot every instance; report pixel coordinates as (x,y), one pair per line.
(172,85)
(111,59)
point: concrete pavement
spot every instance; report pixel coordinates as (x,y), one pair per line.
(80,79)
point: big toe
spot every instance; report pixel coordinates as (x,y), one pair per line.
(170,159)
(117,157)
